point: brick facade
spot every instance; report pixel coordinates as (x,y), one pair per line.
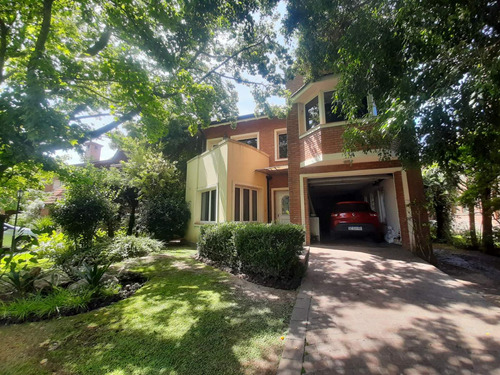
(265,127)
(327,140)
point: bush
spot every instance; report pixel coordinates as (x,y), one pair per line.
(164,217)
(267,250)
(217,243)
(124,247)
(69,258)
(84,210)
(44,225)
(462,239)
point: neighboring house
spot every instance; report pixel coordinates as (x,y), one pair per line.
(294,170)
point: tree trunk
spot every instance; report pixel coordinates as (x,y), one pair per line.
(488,244)
(472,226)
(131,219)
(3,218)
(441,234)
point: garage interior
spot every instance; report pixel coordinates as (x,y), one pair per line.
(378,190)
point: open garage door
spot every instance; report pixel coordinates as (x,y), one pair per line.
(377,190)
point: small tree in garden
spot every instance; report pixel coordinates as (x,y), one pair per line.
(84,210)
(164,217)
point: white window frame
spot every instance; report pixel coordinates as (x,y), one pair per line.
(239,137)
(212,142)
(303,131)
(277,133)
(250,188)
(200,193)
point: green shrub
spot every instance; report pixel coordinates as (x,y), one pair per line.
(123,247)
(44,225)
(462,239)
(164,217)
(268,250)
(40,306)
(217,243)
(22,280)
(70,258)
(85,209)
(93,273)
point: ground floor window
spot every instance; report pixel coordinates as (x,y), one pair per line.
(208,205)
(245,204)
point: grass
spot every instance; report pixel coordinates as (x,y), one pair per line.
(45,306)
(187,319)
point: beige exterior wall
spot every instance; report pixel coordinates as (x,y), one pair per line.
(229,164)
(243,162)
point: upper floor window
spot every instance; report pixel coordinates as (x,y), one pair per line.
(281,142)
(208,205)
(251,139)
(333,108)
(312,114)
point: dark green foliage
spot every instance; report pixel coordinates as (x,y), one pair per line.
(84,210)
(164,217)
(257,249)
(217,243)
(93,273)
(123,247)
(270,250)
(22,280)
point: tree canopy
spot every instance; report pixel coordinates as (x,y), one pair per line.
(433,68)
(153,63)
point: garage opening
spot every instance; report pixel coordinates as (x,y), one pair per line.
(377,190)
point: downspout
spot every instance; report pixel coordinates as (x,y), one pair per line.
(268,178)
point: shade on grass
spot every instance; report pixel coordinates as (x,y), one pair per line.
(185,320)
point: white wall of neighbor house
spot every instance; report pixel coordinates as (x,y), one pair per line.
(205,172)
(228,165)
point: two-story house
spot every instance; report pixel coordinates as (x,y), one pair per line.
(294,170)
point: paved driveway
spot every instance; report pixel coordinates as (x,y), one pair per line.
(380,310)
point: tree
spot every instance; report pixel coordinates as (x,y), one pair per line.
(153,63)
(440,196)
(433,69)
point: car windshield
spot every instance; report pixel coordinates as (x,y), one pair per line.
(352,207)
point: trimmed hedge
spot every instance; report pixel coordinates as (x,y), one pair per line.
(266,250)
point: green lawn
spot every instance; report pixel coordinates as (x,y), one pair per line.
(187,319)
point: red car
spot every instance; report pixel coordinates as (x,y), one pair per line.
(355,217)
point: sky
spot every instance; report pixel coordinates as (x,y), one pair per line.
(246,105)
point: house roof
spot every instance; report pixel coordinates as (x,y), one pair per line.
(279,169)
(243,118)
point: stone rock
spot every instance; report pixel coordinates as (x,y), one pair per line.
(78,285)
(109,279)
(42,285)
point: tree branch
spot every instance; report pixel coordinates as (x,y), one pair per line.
(4,31)
(100,44)
(211,71)
(43,36)
(241,80)
(112,125)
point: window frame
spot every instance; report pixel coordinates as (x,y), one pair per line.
(216,213)
(240,137)
(277,133)
(251,205)
(303,131)
(214,142)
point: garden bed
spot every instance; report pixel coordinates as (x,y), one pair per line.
(66,303)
